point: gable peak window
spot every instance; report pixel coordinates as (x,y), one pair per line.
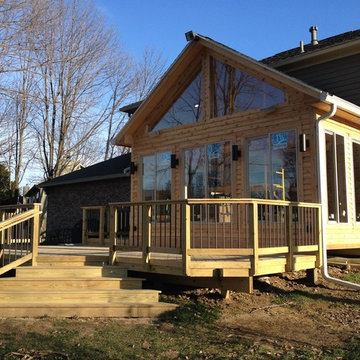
(235,91)
(185,110)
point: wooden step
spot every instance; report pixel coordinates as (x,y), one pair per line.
(78,296)
(70,284)
(119,310)
(26,272)
(71,260)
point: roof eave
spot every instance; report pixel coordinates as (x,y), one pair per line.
(122,138)
(44,185)
(318,56)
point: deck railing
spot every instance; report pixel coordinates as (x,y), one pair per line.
(94,224)
(248,228)
(19,235)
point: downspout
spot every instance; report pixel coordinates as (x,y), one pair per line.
(321,165)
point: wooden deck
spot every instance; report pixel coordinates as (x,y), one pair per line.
(73,250)
(208,238)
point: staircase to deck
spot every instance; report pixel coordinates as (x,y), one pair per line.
(66,286)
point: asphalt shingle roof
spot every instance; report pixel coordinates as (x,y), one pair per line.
(112,168)
(309,48)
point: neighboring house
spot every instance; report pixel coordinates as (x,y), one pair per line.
(99,184)
(223,125)
(332,64)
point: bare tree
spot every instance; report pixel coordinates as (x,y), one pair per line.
(149,70)
(72,55)
(131,81)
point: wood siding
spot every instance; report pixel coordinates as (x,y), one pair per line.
(339,77)
(297,113)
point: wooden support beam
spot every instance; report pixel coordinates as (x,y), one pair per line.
(312,276)
(84,226)
(35,234)
(290,241)
(146,234)
(254,235)
(101,225)
(2,240)
(185,238)
(112,234)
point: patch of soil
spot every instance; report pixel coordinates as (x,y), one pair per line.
(285,312)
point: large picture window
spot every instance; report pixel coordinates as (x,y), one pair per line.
(208,171)
(235,91)
(156,179)
(272,170)
(336,178)
(185,110)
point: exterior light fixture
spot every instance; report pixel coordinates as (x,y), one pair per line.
(190,35)
(133,168)
(236,153)
(174,161)
(303,143)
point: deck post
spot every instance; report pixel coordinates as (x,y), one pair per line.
(2,240)
(290,242)
(254,235)
(319,255)
(112,234)
(101,225)
(146,234)
(84,226)
(185,238)
(35,234)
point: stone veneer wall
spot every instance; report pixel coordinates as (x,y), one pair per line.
(64,203)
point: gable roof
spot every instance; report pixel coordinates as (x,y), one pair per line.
(330,44)
(117,167)
(193,50)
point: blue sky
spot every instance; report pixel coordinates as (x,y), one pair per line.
(257,28)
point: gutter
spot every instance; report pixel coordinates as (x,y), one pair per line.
(321,165)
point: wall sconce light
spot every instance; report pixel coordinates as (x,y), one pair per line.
(133,168)
(191,35)
(236,153)
(174,161)
(303,143)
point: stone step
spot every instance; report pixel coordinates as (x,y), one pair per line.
(118,310)
(26,272)
(101,283)
(72,260)
(78,296)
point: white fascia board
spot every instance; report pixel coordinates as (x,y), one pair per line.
(341,103)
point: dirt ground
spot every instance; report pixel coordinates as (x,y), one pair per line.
(286,312)
(285,318)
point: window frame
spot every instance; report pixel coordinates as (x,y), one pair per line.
(155,178)
(354,141)
(337,215)
(268,137)
(206,168)
(213,60)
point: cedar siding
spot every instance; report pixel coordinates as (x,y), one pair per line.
(303,105)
